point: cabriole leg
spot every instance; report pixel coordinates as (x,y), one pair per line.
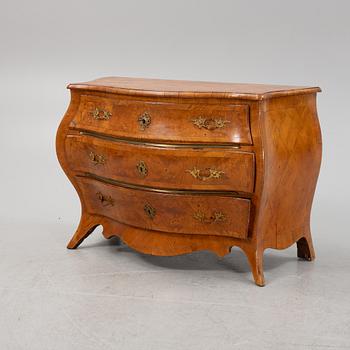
(255,258)
(305,248)
(86,227)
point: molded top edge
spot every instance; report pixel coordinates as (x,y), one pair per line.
(188,89)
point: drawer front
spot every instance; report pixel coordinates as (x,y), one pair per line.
(168,122)
(174,168)
(167,212)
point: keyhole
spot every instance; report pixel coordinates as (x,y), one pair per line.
(142,168)
(144,120)
(150,211)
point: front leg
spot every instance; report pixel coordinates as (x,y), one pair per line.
(255,258)
(86,226)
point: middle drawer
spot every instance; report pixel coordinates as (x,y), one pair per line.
(169,167)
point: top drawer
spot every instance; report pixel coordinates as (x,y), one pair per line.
(170,122)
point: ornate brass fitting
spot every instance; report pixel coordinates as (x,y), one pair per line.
(97,158)
(205,175)
(150,211)
(105,200)
(100,114)
(216,217)
(144,120)
(209,123)
(142,168)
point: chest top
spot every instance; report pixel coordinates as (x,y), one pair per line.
(182,88)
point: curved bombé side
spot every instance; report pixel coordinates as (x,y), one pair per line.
(87,224)
(292,150)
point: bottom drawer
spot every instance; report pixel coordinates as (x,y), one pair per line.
(205,214)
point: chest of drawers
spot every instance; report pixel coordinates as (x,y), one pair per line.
(172,167)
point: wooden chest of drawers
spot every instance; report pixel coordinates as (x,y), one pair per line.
(173,167)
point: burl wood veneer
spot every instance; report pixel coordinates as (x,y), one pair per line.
(172,167)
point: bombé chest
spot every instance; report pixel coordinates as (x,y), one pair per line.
(173,166)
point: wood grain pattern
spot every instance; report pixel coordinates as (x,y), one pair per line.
(165,167)
(292,166)
(284,150)
(190,89)
(170,122)
(172,212)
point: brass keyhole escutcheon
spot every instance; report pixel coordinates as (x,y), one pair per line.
(142,168)
(150,211)
(144,120)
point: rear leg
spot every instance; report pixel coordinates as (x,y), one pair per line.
(305,248)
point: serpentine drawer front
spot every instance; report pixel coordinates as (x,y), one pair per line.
(167,212)
(172,167)
(164,121)
(169,167)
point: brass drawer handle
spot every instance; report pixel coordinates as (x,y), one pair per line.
(97,158)
(209,123)
(150,211)
(205,175)
(100,114)
(142,168)
(216,217)
(105,200)
(144,120)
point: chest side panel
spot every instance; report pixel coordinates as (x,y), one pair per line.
(292,147)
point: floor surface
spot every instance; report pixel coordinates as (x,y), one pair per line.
(107,296)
